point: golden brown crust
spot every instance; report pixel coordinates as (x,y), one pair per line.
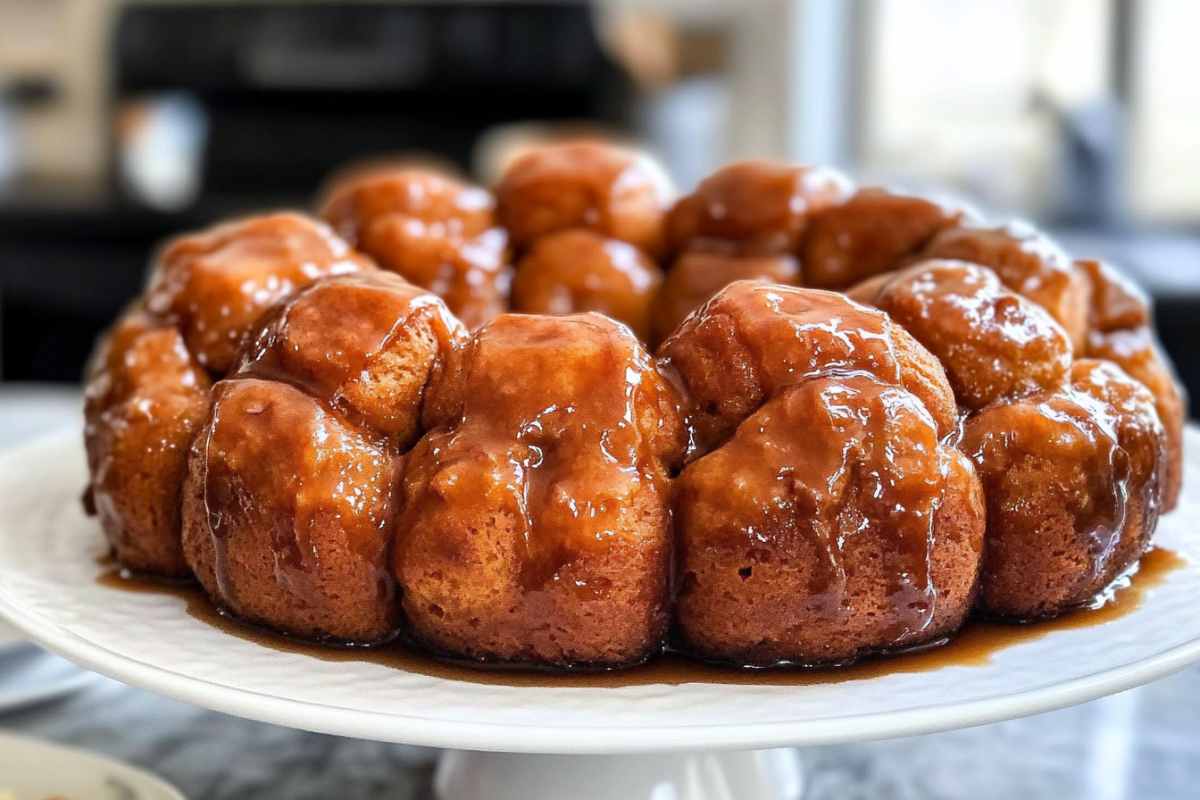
(993,343)
(1028,263)
(577,270)
(290,499)
(611,190)
(536,523)
(1071,479)
(831,525)
(432,229)
(874,231)
(753,340)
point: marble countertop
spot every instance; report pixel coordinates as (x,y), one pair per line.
(1141,744)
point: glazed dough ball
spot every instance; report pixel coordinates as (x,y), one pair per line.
(1120,329)
(290,494)
(762,206)
(832,524)
(873,232)
(368,344)
(439,202)
(577,270)
(611,190)
(434,230)
(536,524)
(698,275)
(1026,262)
(145,397)
(216,283)
(992,342)
(1116,302)
(286,511)
(753,340)
(1138,353)
(1072,481)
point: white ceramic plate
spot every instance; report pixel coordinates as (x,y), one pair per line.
(30,675)
(48,552)
(33,770)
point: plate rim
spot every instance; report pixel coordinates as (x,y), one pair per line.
(398,727)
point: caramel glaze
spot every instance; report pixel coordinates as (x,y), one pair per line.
(873,232)
(148,384)
(994,343)
(536,519)
(435,231)
(972,646)
(423,195)
(755,207)
(1072,479)
(217,282)
(144,399)
(578,270)
(1120,329)
(1027,262)
(290,497)
(618,193)
(697,275)
(755,339)
(867,481)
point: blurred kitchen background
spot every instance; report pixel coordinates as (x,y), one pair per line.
(123,122)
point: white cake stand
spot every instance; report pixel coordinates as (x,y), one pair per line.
(694,741)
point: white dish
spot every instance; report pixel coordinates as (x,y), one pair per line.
(32,770)
(30,675)
(48,552)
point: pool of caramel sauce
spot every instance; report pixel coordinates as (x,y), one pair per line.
(972,646)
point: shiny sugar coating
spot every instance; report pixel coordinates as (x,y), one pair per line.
(1028,263)
(610,190)
(760,207)
(1072,481)
(1120,329)
(697,275)
(217,282)
(874,231)
(536,523)
(144,399)
(369,345)
(290,496)
(578,270)
(993,343)
(444,204)
(434,230)
(752,340)
(832,524)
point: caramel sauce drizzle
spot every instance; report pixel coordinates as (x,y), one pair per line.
(973,646)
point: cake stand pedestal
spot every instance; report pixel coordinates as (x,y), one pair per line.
(685,741)
(738,775)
